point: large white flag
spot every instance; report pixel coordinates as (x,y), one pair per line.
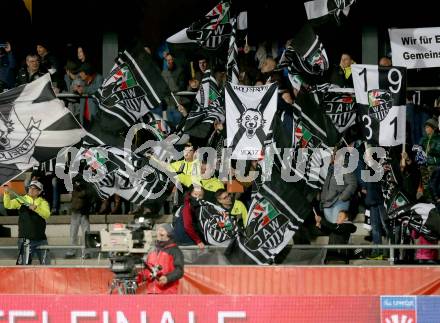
(381,97)
(34,126)
(249,114)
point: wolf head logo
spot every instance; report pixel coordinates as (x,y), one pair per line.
(251,120)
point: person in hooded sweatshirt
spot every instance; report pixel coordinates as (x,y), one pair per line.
(164,265)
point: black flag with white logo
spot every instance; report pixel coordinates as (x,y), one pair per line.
(340,107)
(275,215)
(218,226)
(209,32)
(381,97)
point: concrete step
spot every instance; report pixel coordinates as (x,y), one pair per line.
(59,225)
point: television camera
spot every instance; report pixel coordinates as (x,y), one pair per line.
(126,245)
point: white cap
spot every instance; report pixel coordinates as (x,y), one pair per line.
(37,184)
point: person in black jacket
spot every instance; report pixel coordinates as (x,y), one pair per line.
(339,233)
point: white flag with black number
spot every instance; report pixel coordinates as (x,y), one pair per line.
(381,97)
(249,114)
(34,126)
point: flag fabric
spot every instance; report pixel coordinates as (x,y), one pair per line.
(275,215)
(314,135)
(393,197)
(210,32)
(199,124)
(133,87)
(320,11)
(208,108)
(208,94)
(34,126)
(218,226)
(232,66)
(249,114)
(294,78)
(340,107)
(305,53)
(381,97)
(115,171)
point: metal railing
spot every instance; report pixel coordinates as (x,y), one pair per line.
(391,247)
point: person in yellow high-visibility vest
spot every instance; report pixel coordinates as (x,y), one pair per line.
(237,209)
(187,169)
(33,212)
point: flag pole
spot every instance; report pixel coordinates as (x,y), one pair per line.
(175,100)
(193,72)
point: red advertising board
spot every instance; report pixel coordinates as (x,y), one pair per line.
(187,309)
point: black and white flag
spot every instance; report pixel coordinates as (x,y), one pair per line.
(218,226)
(340,107)
(249,114)
(209,32)
(116,171)
(232,65)
(208,94)
(314,135)
(319,11)
(275,215)
(208,108)
(133,87)
(34,126)
(305,53)
(381,97)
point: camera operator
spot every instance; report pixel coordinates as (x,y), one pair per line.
(164,265)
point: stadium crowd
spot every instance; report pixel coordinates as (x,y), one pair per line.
(336,206)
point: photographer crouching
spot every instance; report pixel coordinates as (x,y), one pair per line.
(164,265)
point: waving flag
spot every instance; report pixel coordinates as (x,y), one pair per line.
(210,32)
(34,126)
(208,94)
(133,87)
(381,97)
(305,53)
(320,11)
(116,171)
(313,136)
(249,114)
(232,66)
(218,226)
(340,107)
(275,215)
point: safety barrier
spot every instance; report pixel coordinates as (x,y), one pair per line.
(391,247)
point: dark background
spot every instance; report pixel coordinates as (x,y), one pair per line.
(65,24)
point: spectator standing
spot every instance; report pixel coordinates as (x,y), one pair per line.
(174,77)
(336,196)
(7,67)
(33,212)
(88,105)
(430,143)
(79,216)
(50,63)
